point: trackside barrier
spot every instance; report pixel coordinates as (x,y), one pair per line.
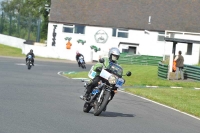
(162,70)
(192,72)
(139,59)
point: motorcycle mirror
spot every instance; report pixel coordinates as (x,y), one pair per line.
(128,73)
(124,81)
(101,60)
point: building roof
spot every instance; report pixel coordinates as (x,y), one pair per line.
(181,40)
(177,15)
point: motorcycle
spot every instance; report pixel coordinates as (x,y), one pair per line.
(107,87)
(29,62)
(82,62)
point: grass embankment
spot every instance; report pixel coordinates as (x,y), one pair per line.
(10,51)
(186,99)
(17,52)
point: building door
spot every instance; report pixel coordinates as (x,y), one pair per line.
(132,50)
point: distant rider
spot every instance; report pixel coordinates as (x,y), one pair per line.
(33,56)
(113,56)
(77,58)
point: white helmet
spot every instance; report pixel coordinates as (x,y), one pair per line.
(114,54)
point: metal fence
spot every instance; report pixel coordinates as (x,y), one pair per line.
(27,28)
(163,70)
(190,71)
(139,59)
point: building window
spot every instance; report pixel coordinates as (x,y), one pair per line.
(68,28)
(189,49)
(120,33)
(78,29)
(161,36)
(114,32)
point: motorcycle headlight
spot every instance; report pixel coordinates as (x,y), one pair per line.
(112,79)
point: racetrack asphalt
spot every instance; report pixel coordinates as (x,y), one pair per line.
(41,101)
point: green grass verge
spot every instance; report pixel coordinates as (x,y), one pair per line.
(186,99)
(10,51)
(145,75)
(16,52)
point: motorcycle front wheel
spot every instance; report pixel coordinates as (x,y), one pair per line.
(86,107)
(29,66)
(84,67)
(99,107)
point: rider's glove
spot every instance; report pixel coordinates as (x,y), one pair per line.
(98,69)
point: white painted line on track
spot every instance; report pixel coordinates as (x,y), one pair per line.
(152,86)
(60,73)
(20,64)
(161,104)
(175,87)
(85,79)
(80,78)
(197,88)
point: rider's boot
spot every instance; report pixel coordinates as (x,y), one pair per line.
(85,97)
(88,90)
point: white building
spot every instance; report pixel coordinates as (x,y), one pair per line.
(138,27)
(138,42)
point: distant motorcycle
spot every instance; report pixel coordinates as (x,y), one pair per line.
(29,62)
(104,92)
(82,62)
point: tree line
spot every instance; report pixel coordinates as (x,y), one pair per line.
(34,9)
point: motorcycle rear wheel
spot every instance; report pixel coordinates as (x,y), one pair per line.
(99,108)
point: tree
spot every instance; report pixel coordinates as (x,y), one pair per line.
(28,9)
(45,21)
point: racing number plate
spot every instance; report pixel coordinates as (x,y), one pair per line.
(120,82)
(92,74)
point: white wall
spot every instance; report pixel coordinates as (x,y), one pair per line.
(148,43)
(11,41)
